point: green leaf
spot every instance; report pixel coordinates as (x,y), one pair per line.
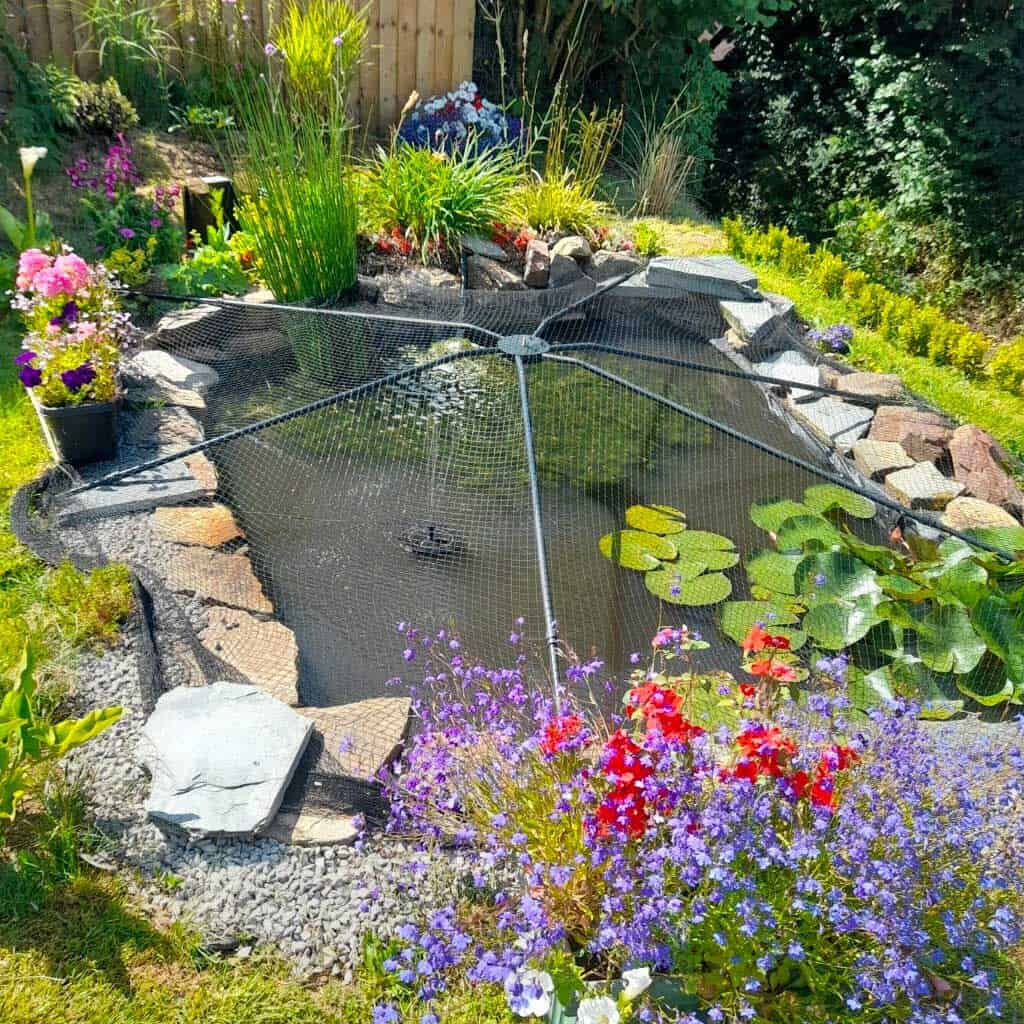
(823,497)
(634,549)
(797,531)
(868,690)
(703,590)
(831,574)
(661,519)
(940,710)
(75,732)
(13,228)
(946,641)
(835,625)
(717,560)
(773,570)
(1006,538)
(771,514)
(965,580)
(987,700)
(1003,632)
(704,540)
(708,710)
(739,616)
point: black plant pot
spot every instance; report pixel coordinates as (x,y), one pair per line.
(78,434)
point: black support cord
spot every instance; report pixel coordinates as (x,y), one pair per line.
(274,421)
(550,622)
(793,460)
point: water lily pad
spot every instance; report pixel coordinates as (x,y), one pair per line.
(988,698)
(702,590)
(661,519)
(835,625)
(771,514)
(773,570)
(994,620)
(823,497)
(739,616)
(634,549)
(829,574)
(797,531)
(704,540)
(718,560)
(1006,538)
(947,642)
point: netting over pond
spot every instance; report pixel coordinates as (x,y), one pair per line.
(456,461)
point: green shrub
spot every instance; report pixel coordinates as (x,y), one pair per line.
(434,198)
(102,109)
(828,272)
(558,204)
(648,239)
(1006,367)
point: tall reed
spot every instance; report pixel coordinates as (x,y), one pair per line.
(656,158)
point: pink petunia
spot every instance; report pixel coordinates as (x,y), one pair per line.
(50,283)
(76,269)
(30,263)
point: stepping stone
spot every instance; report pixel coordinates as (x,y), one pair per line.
(924,435)
(720,276)
(477,246)
(834,421)
(170,484)
(751,321)
(877,459)
(362,737)
(218,578)
(922,486)
(221,757)
(173,370)
(156,428)
(313,826)
(208,526)
(793,368)
(264,652)
(973,513)
(883,386)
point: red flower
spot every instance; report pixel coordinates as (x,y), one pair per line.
(799,782)
(762,747)
(622,762)
(660,708)
(748,689)
(624,810)
(822,791)
(754,641)
(558,732)
(777,670)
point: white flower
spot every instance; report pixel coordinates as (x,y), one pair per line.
(528,992)
(597,1010)
(30,156)
(636,981)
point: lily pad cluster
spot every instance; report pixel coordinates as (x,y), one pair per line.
(680,565)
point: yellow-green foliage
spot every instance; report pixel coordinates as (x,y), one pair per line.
(919,330)
(648,239)
(558,204)
(1006,367)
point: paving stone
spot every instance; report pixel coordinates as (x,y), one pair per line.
(486,274)
(793,368)
(924,435)
(155,428)
(208,526)
(364,736)
(575,247)
(477,246)
(606,265)
(564,271)
(174,370)
(882,386)
(982,465)
(922,486)
(313,826)
(264,651)
(876,459)
(971,513)
(537,269)
(782,304)
(203,470)
(220,757)
(752,321)
(219,578)
(834,421)
(720,276)
(171,484)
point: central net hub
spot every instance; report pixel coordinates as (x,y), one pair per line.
(523,345)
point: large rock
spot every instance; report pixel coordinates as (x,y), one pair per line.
(173,370)
(170,484)
(219,578)
(477,246)
(575,247)
(973,513)
(487,274)
(835,422)
(753,322)
(924,435)
(149,392)
(220,757)
(564,271)
(982,465)
(792,368)
(418,286)
(364,736)
(881,386)
(877,459)
(183,326)
(264,652)
(922,486)
(537,269)
(720,276)
(163,428)
(209,526)
(606,265)
(203,470)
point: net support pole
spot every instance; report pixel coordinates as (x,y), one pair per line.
(551,624)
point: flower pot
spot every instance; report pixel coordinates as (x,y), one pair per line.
(79,434)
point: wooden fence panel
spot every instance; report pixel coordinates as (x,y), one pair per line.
(426,45)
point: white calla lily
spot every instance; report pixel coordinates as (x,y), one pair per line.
(636,981)
(598,1010)
(30,156)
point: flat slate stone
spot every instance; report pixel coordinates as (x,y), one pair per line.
(922,486)
(313,826)
(175,370)
(883,386)
(208,526)
(152,392)
(877,459)
(834,421)
(793,368)
(203,470)
(264,652)
(221,757)
(182,326)
(155,428)
(364,736)
(218,578)
(607,264)
(487,274)
(720,276)
(170,484)
(752,321)
(478,246)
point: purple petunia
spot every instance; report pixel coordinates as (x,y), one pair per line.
(76,379)
(30,376)
(24,358)
(67,316)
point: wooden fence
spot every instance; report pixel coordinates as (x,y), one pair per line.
(426,45)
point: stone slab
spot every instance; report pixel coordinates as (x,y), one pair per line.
(477,246)
(880,386)
(153,392)
(314,827)
(793,368)
(364,736)
(218,578)
(607,264)
(209,526)
(924,435)
(967,513)
(203,470)
(154,428)
(983,466)
(174,370)
(575,247)
(487,274)
(171,484)
(263,651)
(183,326)
(563,270)
(922,486)
(719,276)
(220,757)
(877,459)
(834,421)
(752,321)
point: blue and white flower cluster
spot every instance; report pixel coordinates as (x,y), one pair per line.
(449,122)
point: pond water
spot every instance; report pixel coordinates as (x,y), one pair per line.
(327,501)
